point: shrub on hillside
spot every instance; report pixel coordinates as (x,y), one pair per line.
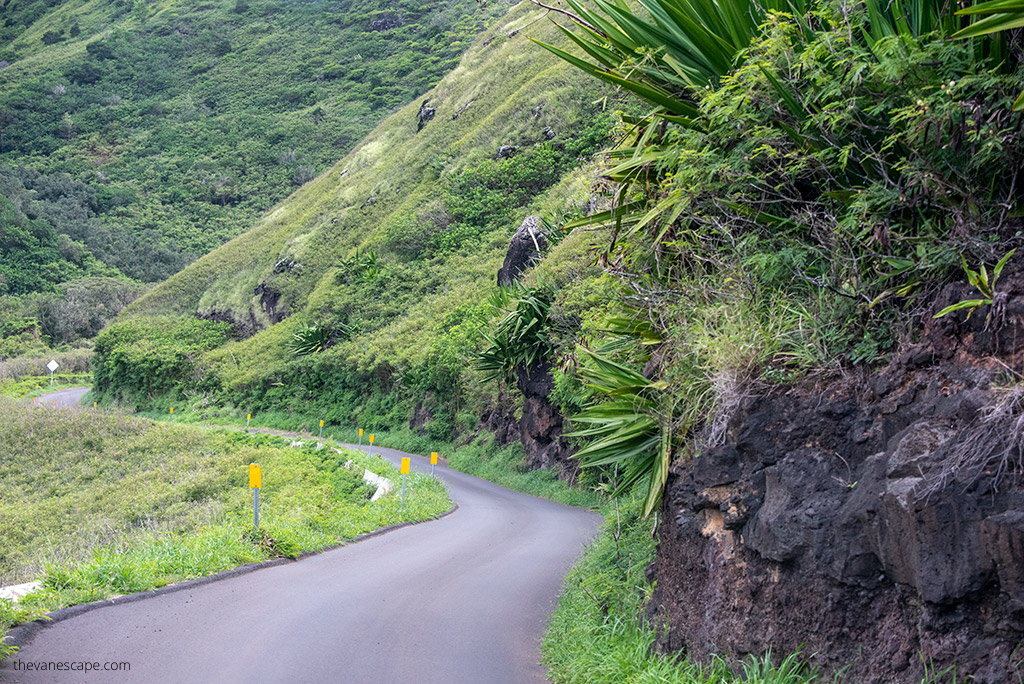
(147,357)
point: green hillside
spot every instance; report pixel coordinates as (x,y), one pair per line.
(389,255)
(798,192)
(155,131)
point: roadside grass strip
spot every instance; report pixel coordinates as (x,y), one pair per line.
(600,632)
(97,505)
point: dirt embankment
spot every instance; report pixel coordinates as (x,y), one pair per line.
(874,521)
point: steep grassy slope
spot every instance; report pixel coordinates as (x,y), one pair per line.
(392,252)
(165,128)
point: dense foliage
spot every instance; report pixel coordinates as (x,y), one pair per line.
(170,128)
(788,204)
(140,358)
(33,257)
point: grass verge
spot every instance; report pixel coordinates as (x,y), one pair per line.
(97,504)
(503,465)
(600,634)
(507,466)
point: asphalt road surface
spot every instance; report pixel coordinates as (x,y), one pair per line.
(65,397)
(461,599)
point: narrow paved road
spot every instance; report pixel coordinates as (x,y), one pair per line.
(64,397)
(461,599)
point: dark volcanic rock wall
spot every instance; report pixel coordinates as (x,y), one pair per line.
(874,522)
(541,427)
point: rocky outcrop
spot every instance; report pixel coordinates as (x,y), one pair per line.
(421,415)
(241,328)
(541,427)
(270,303)
(525,248)
(874,522)
(425,114)
(387,21)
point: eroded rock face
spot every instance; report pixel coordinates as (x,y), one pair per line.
(425,115)
(866,528)
(541,428)
(270,303)
(524,250)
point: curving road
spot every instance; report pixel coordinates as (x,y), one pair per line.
(64,397)
(461,599)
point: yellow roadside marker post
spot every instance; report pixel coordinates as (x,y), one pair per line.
(94,404)
(321,429)
(255,483)
(433,462)
(54,402)
(369,449)
(172,410)
(248,417)
(405,471)
(360,438)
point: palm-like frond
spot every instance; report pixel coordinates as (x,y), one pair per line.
(1000,15)
(520,336)
(309,340)
(684,45)
(631,429)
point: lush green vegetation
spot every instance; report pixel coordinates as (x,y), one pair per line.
(154,356)
(98,504)
(46,323)
(794,201)
(151,133)
(365,289)
(35,258)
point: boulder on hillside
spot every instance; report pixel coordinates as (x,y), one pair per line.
(524,250)
(425,114)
